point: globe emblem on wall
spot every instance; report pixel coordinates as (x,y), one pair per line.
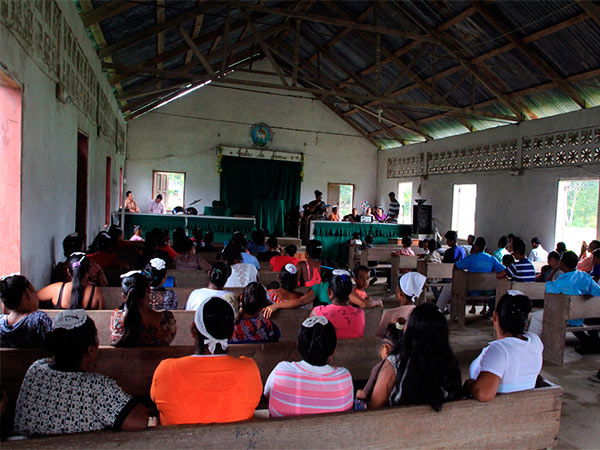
(261,135)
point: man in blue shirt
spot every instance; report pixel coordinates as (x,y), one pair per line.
(454,253)
(522,269)
(478,262)
(572,282)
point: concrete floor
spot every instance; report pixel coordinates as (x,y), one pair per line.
(580,419)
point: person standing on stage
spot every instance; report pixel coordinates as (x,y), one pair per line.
(157,206)
(130,204)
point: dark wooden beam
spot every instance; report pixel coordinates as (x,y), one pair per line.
(592,10)
(199,54)
(198,21)
(107,10)
(336,21)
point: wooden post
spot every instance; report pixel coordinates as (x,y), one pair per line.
(422,269)
(364,257)
(395,274)
(502,287)
(554,327)
(459,296)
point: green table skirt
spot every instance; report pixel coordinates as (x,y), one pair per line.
(222,227)
(270,215)
(217,211)
(335,235)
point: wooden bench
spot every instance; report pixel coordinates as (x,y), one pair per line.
(533,290)
(462,282)
(133,368)
(558,308)
(502,423)
(404,263)
(113,297)
(197,278)
(288,321)
(434,271)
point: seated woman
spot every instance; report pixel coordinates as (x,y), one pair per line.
(309,272)
(513,361)
(251,327)
(137,234)
(422,369)
(24,325)
(273,249)
(187,259)
(217,277)
(135,323)
(310,386)
(359,296)
(104,254)
(288,282)
(279,262)
(349,321)
(76,294)
(209,386)
(72,244)
(389,341)
(406,249)
(379,215)
(208,243)
(62,394)
(242,274)
(257,244)
(410,287)
(160,298)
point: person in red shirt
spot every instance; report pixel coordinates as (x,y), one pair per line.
(279,262)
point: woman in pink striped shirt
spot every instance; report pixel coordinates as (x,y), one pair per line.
(310,386)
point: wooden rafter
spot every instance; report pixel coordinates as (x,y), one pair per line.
(198,21)
(530,53)
(591,9)
(107,10)
(336,21)
(160,37)
(199,54)
(158,28)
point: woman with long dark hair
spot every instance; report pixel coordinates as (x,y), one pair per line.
(252,327)
(62,394)
(76,294)
(160,297)
(422,369)
(135,323)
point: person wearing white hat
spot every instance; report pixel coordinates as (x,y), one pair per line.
(62,394)
(208,386)
(410,289)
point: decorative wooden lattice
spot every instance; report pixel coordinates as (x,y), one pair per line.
(565,148)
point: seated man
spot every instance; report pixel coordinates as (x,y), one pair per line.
(469,245)
(522,270)
(586,263)
(537,253)
(477,262)
(454,253)
(595,273)
(209,386)
(572,282)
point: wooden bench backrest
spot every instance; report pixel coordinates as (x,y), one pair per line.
(457,425)
(133,368)
(462,282)
(379,253)
(288,321)
(538,265)
(558,308)
(435,270)
(535,291)
(197,278)
(404,263)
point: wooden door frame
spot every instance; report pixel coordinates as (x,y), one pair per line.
(169,171)
(345,184)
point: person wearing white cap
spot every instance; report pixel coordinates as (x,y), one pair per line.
(208,386)
(62,395)
(410,289)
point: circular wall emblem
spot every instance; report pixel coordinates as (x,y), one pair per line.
(261,135)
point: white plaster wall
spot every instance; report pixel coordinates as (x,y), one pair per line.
(49,155)
(524,205)
(169,138)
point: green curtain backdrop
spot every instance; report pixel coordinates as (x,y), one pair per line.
(245,179)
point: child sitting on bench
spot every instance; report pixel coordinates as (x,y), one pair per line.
(24,325)
(310,386)
(359,296)
(251,327)
(288,282)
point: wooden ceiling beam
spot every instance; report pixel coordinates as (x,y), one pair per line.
(107,10)
(530,53)
(156,29)
(198,21)
(591,9)
(336,21)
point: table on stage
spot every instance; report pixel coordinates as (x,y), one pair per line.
(334,235)
(222,227)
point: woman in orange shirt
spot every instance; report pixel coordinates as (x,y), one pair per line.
(208,386)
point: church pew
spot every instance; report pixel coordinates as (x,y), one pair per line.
(464,281)
(404,263)
(379,253)
(535,291)
(197,278)
(133,368)
(285,241)
(558,308)
(433,271)
(288,321)
(113,297)
(501,423)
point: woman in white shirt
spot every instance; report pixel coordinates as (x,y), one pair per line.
(513,361)
(242,274)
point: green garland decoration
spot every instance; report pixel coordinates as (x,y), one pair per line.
(219,158)
(302,168)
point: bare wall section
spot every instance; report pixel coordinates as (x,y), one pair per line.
(524,205)
(184,136)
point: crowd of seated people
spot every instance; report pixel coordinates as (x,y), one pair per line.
(62,394)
